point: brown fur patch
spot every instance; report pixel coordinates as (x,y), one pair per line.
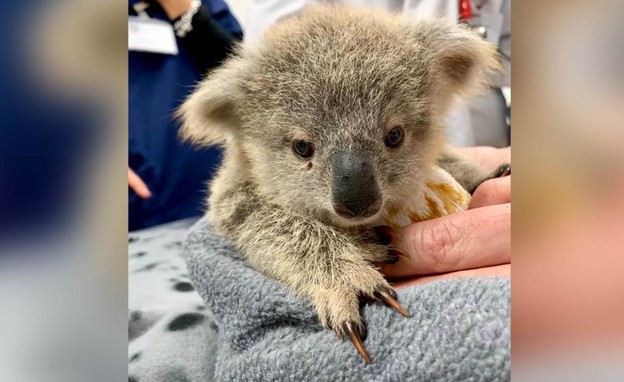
(450,196)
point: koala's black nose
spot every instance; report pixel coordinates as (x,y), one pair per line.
(354,192)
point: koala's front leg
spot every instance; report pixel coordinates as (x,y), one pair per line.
(330,268)
(467,174)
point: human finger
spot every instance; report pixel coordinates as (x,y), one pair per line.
(471,239)
(137,185)
(496,270)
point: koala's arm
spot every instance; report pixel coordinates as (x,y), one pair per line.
(328,267)
(469,175)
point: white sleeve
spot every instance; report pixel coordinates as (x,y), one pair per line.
(261,14)
(426,9)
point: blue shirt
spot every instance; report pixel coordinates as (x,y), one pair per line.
(175,172)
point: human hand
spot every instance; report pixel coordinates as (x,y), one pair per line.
(137,185)
(476,242)
(175,8)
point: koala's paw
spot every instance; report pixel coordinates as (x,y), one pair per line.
(339,307)
(501,171)
(383,236)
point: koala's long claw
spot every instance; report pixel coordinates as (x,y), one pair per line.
(391,301)
(502,170)
(354,335)
(394,254)
(386,233)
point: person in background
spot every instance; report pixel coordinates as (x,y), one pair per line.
(482,123)
(166,177)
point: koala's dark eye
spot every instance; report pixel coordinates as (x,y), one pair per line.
(303,149)
(394,137)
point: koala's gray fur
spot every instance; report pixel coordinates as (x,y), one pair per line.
(340,79)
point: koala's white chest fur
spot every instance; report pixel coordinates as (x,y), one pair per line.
(442,195)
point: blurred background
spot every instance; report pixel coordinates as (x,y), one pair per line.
(66,120)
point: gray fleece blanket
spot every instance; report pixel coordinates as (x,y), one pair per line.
(460,329)
(242,326)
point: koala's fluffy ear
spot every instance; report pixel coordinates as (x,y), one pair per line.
(462,61)
(211,114)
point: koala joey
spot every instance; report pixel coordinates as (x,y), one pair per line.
(332,131)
